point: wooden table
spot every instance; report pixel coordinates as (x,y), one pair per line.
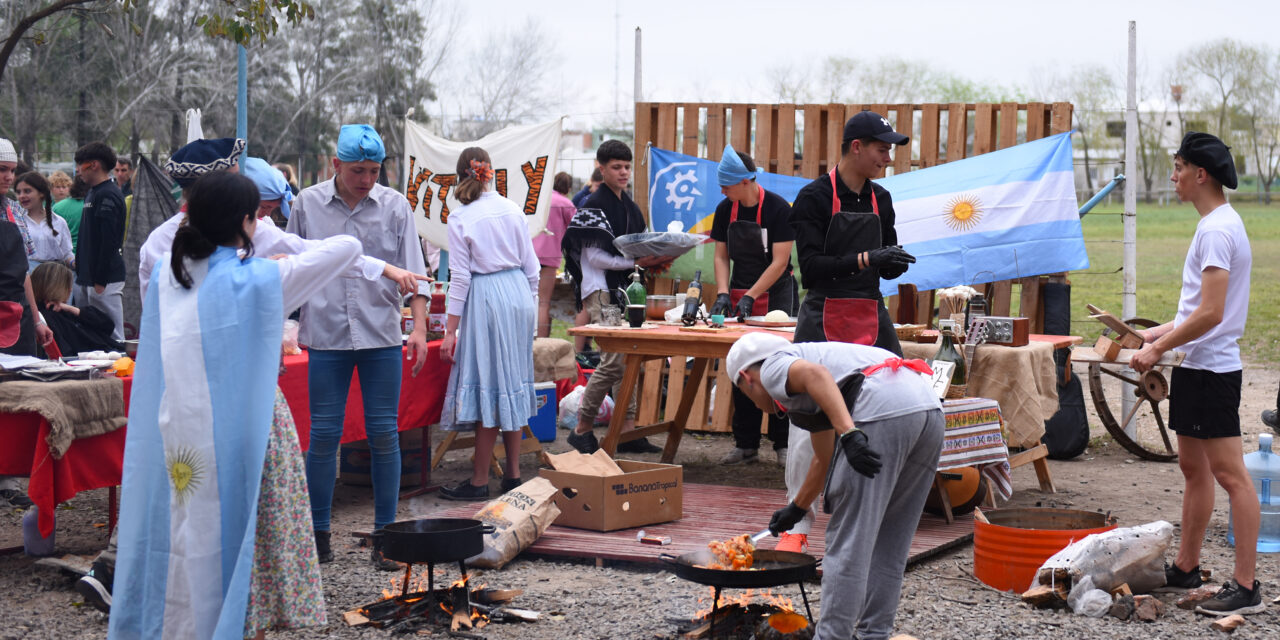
(651,343)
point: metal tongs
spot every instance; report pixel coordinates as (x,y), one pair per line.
(760,535)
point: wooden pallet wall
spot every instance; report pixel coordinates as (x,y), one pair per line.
(804,140)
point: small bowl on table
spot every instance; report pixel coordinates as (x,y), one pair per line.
(656,306)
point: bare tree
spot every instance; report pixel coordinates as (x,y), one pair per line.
(506,81)
(1093,91)
(788,83)
(1259,108)
(1225,68)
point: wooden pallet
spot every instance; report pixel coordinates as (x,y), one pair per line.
(713,512)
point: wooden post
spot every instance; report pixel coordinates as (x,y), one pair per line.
(715,131)
(904,125)
(957,131)
(689,142)
(928,135)
(785,150)
(740,133)
(811,151)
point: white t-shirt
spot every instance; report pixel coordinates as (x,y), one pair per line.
(885,393)
(1220,241)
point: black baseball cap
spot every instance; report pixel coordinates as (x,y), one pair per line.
(1211,154)
(869,124)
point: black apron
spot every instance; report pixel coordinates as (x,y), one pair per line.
(849,309)
(748,248)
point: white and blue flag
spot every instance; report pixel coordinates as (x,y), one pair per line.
(1006,214)
(199,419)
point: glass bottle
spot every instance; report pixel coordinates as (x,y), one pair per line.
(635,290)
(692,300)
(948,352)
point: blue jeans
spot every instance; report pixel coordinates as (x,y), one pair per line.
(328,383)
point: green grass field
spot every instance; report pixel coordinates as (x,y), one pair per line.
(1163,236)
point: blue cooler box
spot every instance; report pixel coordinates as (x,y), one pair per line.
(543,425)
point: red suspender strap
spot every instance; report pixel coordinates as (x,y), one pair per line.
(733,212)
(835,200)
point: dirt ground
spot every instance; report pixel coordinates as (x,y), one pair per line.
(941,599)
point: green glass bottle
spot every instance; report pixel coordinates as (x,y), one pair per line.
(948,352)
(635,290)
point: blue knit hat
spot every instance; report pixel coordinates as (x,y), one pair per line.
(202,156)
(357,142)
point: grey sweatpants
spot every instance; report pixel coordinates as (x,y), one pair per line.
(608,374)
(872,523)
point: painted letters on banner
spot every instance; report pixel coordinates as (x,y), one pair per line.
(524,162)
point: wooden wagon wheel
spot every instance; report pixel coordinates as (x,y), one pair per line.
(1151,389)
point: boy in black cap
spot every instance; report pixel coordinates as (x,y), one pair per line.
(1204,398)
(846,243)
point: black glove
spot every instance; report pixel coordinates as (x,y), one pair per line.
(859,454)
(720,306)
(892,271)
(785,518)
(744,307)
(891,256)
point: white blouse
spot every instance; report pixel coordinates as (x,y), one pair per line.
(488,236)
(50,247)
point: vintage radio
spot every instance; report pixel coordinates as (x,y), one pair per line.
(1010,332)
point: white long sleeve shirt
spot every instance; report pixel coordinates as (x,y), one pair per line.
(487,236)
(594,263)
(268,240)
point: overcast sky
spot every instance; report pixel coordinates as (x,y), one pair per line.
(717,50)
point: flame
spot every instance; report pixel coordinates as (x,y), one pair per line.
(743,599)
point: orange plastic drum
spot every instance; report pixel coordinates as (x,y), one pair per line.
(1008,551)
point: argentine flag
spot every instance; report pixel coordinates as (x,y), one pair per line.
(1001,215)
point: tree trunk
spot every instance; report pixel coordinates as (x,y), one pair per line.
(1088,177)
(82,112)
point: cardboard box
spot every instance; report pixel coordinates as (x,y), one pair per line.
(647,493)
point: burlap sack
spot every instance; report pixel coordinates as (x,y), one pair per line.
(519,517)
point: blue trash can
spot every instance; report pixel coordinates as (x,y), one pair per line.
(543,425)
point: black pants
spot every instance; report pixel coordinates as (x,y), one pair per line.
(746,424)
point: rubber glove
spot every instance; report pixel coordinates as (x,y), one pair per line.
(785,518)
(720,306)
(745,305)
(891,256)
(859,453)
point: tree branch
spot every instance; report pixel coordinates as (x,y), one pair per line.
(26,23)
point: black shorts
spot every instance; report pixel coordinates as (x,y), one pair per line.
(1204,404)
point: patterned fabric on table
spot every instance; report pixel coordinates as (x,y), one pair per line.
(973,439)
(285,591)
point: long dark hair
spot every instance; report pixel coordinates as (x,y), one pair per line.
(37,181)
(217,206)
(471,180)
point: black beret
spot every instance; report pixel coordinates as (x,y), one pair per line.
(1208,152)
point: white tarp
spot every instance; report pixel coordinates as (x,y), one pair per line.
(524,163)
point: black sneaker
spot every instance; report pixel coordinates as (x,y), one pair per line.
(639,445)
(95,586)
(1272,420)
(1176,580)
(511,483)
(16,498)
(323,551)
(585,443)
(1233,599)
(465,491)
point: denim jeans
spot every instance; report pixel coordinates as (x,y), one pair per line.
(328,383)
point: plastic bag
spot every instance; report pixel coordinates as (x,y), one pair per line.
(289,344)
(1087,600)
(657,243)
(570,404)
(1131,555)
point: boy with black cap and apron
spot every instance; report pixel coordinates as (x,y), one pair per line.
(751,228)
(846,243)
(866,411)
(1204,395)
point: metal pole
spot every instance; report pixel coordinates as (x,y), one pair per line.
(639,91)
(242,94)
(1129,294)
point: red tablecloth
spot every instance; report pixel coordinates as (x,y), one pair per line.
(96,462)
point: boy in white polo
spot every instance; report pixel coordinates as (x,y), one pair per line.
(1204,397)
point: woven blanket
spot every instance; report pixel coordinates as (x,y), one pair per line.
(973,439)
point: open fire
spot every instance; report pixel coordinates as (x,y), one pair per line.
(420,606)
(748,614)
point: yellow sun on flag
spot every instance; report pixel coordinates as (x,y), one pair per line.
(963,212)
(186,470)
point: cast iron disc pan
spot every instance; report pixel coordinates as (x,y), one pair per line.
(774,568)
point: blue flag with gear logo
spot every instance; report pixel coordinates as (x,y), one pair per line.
(685,189)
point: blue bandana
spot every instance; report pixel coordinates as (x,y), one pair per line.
(357,142)
(731,170)
(202,156)
(271,183)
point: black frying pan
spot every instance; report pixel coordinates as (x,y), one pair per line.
(433,539)
(773,568)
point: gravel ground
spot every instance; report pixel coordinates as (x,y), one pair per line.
(578,600)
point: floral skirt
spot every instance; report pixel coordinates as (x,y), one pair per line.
(285,590)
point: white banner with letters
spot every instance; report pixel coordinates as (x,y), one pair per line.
(524,161)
